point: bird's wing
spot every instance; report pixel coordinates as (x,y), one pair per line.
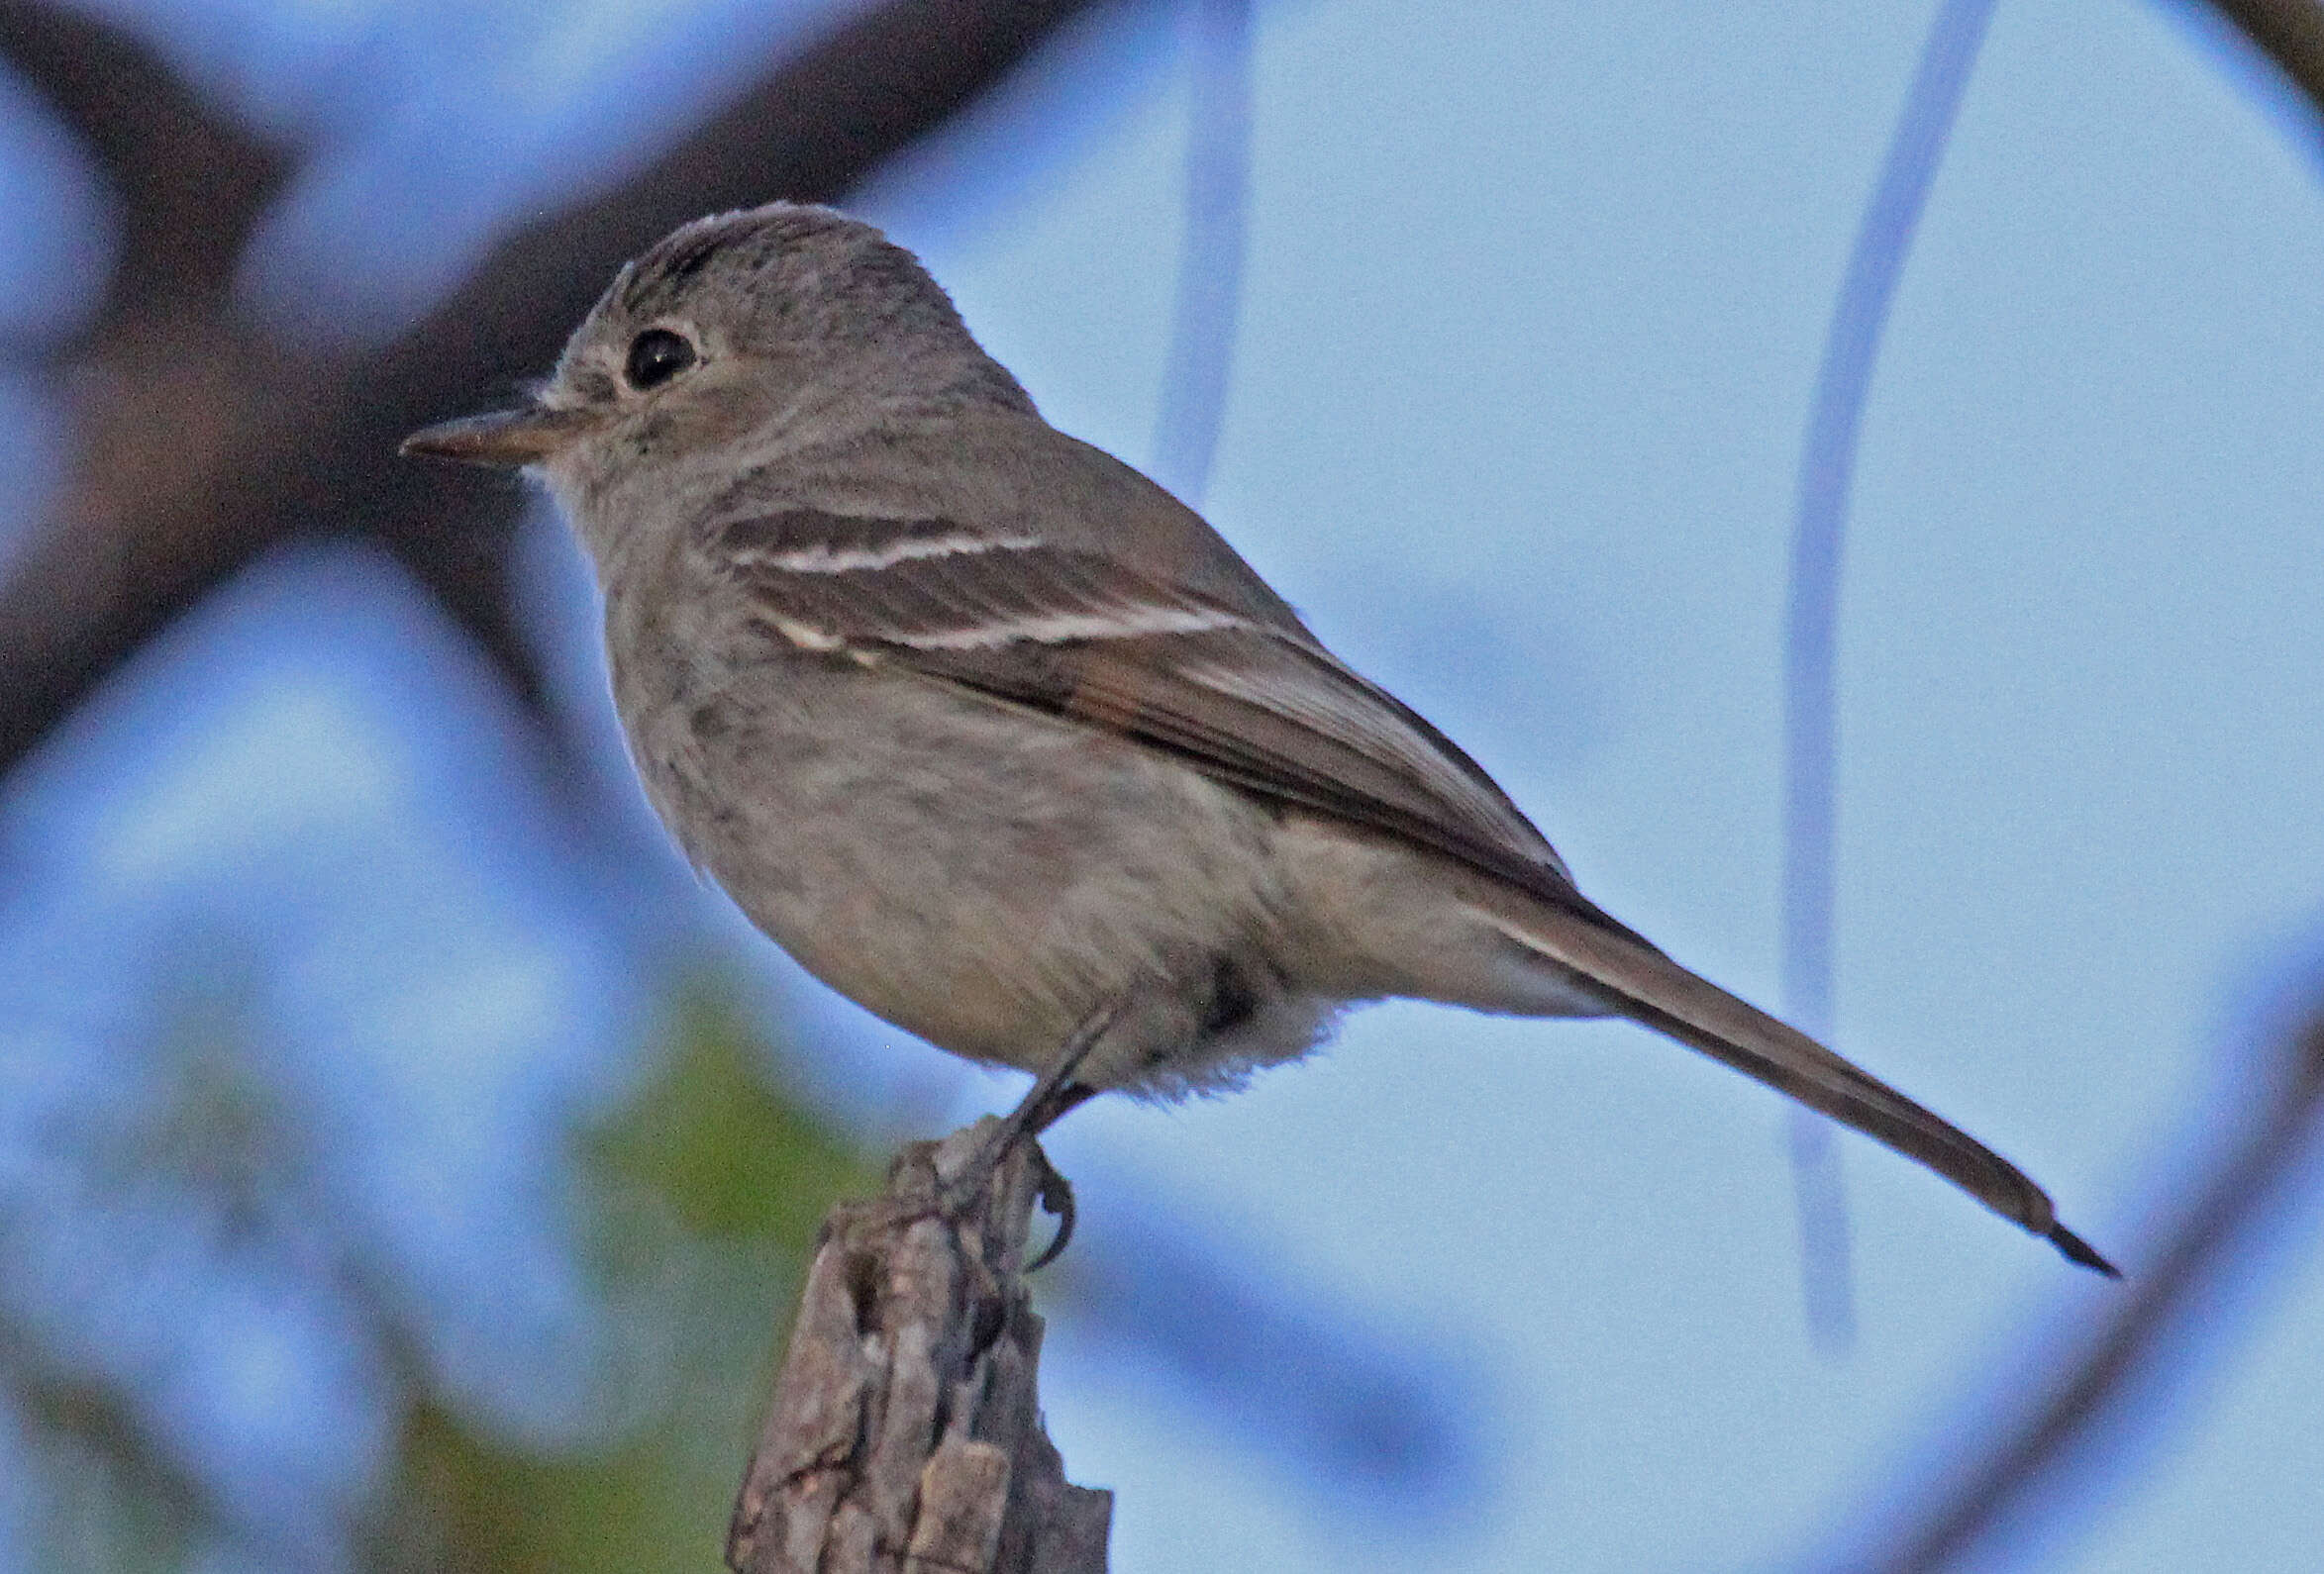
(1072,633)
(1253,700)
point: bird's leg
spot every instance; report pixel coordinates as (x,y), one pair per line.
(1051,1095)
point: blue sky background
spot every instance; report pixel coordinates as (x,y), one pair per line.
(1534,301)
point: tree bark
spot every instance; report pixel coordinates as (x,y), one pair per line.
(905,1434)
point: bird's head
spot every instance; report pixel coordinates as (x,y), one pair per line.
(731,339)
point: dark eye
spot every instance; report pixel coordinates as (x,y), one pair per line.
(656,356)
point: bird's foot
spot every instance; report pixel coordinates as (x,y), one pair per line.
(1046,1103)
(1057,1200)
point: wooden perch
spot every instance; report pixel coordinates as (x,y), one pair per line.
(905,1431)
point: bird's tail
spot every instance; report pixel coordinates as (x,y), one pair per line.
(1639,982)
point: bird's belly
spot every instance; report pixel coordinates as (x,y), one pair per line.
(981,877)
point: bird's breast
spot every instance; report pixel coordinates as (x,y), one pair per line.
(980,875)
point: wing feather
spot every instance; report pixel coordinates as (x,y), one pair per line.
(1069,633)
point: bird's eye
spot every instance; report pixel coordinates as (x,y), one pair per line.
(656,356)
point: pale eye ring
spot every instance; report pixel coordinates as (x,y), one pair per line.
(656,356)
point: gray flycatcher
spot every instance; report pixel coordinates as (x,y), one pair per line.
(1006,745)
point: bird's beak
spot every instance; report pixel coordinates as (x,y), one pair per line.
(503,438)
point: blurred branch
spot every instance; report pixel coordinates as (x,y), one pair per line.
(2290,33)
(2104,1380)
(105,1420)
(905,1430)
(2124,1358)
(203,443)
(191,185)
(1210,256)
(1373,1422)
(1811,621)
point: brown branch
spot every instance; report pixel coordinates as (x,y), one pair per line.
(2290,33)
(905,1430)
(191,185)
(204,443)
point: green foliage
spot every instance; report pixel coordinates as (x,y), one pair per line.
(726,1152)
(694,1205)
(702,1198)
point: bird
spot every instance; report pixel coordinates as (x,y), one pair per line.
(1004,743)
